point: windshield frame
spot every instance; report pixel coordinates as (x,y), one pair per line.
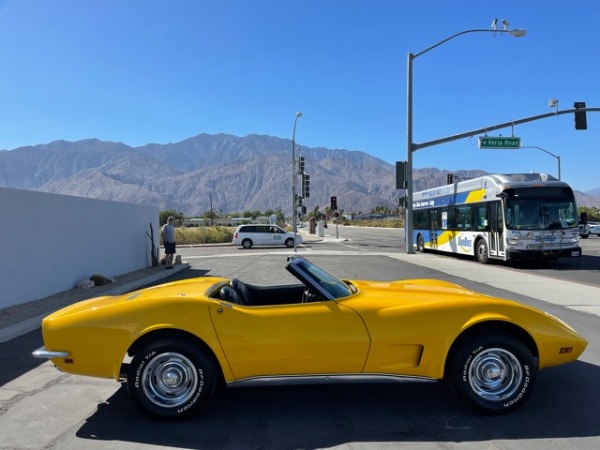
(318,280)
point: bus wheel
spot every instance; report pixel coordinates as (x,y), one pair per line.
(420,243)
(481,252)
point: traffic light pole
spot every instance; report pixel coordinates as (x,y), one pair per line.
(294,208)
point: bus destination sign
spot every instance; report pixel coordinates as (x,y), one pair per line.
(499,142)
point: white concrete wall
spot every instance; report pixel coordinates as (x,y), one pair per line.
(49,242)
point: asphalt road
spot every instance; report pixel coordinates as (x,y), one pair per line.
(43,408)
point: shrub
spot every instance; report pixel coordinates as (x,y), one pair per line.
(203,235)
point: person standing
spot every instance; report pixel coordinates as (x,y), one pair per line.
(168,236)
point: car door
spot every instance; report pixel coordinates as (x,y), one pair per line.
(276,236)
(301,339)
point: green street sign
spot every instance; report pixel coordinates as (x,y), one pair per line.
(499,142)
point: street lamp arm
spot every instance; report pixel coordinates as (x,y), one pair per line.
(547,152)
(516,33)
(542,149)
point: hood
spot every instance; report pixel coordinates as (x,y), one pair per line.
(406,293)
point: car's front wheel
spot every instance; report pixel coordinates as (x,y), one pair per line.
(289,243)
(492,373)
(171,378)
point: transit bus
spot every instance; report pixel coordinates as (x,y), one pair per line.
(504,217)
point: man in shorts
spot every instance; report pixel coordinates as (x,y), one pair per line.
(168,236)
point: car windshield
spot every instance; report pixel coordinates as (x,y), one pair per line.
(334,287)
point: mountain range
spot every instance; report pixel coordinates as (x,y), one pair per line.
(223,172)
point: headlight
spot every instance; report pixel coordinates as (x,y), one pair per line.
(514,242)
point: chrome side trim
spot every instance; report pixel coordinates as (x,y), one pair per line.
(289,380)
(43,353)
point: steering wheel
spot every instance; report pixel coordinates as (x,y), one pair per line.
(309,297)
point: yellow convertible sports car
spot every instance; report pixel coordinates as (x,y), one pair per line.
(176,343)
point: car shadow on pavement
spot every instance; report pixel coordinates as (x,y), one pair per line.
(564,405)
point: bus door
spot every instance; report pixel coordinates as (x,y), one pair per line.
(433,228)
(496,228)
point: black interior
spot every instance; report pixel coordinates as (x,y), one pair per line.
(250,295)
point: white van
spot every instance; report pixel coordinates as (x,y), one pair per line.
(249,235)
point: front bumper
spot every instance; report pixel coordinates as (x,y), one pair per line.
(43,353)
(519,254)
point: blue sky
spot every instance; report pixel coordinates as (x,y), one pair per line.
(142,71)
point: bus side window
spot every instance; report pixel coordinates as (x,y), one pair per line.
(452,217)
(481,220)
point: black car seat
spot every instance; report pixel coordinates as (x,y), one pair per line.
(242,291)
(230,295)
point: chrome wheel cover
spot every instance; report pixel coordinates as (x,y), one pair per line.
(495,374)
(169,380)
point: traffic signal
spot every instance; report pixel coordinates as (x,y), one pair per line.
(333,203)
(450,179)
(400,174)
(580,116)
(305,185)
(301,165)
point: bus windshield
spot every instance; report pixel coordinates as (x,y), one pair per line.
(540,209)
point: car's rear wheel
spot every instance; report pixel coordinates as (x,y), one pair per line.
(171,378)
(493,373)
(247,243)
(289,242)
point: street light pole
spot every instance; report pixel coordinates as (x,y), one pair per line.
(298,115)
(546,151)
(410,146)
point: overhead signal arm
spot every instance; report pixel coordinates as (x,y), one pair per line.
(418,146)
